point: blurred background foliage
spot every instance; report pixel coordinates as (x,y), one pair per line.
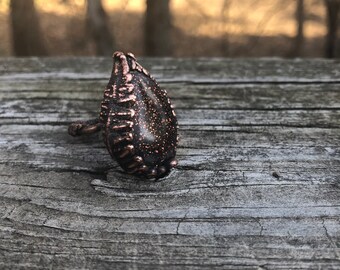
(179,28)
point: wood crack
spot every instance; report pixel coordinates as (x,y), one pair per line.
(181,221)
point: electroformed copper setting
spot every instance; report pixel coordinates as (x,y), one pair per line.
(137,119)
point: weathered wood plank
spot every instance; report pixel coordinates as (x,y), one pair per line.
(261,144)
(256,187)
(177,70)
(65,111)
(239,96)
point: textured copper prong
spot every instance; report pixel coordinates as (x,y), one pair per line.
(74,129)
(85,127)
(161,170)
(119,149)
(138,159)
(132,113)
(140,68)
(107,93)
(118,140)
(127,137)
(129,88)
(122,125)
(131,55)
(114,91)
(129,112)
(173,163)
(153,173)
(126,151)
(125,65)
(116,66)
(133,64)
(133,170)
(122,89)
(143,168)
(128,77)
(133,165)
(117,54)
(90,129)
(127,99)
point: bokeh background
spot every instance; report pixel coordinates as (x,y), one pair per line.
(178,28)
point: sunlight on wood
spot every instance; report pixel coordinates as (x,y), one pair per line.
(236,21)
(265,18)
(274,17)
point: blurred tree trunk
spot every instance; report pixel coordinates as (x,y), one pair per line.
(98,28)
(299,37)
(27,39)
(332,9)
(226,5)
(158,28)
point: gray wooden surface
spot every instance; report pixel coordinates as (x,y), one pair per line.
(257,186)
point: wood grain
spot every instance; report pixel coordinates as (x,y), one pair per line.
(257,186)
